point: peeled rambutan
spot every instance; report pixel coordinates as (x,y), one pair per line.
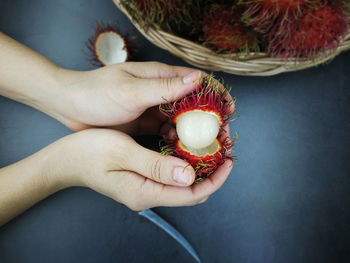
(317,31)
(199,119)
(262,15)
(223,30)
(108,46)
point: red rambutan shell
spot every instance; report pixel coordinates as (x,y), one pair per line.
(102,30)
(208,96)
(223,30)
(204,165)
(317,31)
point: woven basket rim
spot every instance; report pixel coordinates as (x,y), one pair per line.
(252,64)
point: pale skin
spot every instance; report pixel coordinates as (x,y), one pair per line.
(105,107)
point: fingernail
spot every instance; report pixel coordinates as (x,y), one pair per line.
(182,176)
(190,78)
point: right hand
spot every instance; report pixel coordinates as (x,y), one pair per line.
(112,163)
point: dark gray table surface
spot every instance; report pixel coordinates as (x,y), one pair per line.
(287,199)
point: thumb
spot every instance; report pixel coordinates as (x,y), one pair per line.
(163,169)
(155,91)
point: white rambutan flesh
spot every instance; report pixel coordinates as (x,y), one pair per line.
(110,48)
(197,129)
(209,150)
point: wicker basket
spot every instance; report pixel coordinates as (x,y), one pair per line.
(255,64)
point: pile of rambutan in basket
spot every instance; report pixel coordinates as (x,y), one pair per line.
(246,37)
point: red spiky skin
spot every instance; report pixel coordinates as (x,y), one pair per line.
(209,95)
(262,15)
(165,13)
(223,30)
(101,28)
(164,7)
(317,31)
(204,165)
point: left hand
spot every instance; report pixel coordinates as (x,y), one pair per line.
(121,96)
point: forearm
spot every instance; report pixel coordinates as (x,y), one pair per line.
(27,182)
(27,76)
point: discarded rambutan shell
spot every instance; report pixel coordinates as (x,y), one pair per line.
(200,118)
(223,30)
(108,46)
(319,30)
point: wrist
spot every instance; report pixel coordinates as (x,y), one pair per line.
(59,102)
(60,164)
(25,75)
(49,172)
(28,181)
(50,94)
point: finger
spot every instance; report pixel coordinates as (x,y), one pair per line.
(139,192)
(163,169)
(156,70)
(225,135)
(213,182)
(188,196)
(155,91)
(229,98)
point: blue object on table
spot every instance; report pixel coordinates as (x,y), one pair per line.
(160,222)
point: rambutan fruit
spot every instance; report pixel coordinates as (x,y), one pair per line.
(319,30)
(170,15)
(262,15)
(224,32)
(199,119)
(108,46)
